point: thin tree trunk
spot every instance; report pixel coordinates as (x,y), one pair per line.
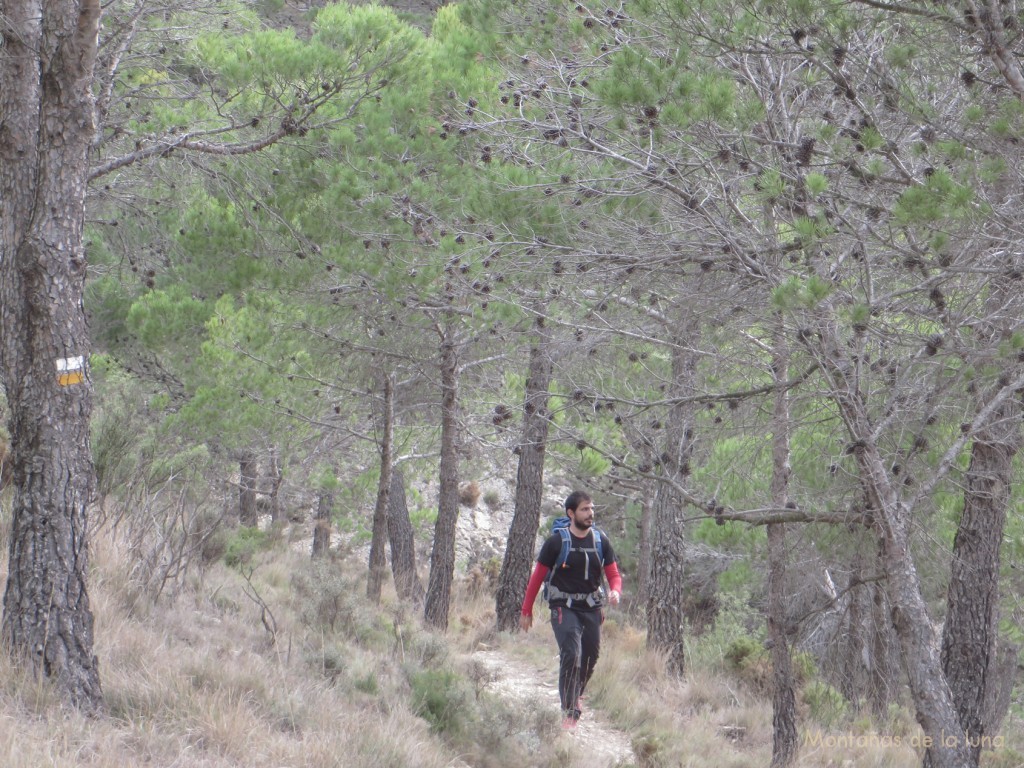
(642,444)
(884,672)
(442,557)
(643,565)
(403,545)
(784,736)
(47,127)
(919,644)
(378,559)
(667,588)
(852,651)
(248,514)
(522,534)
(322,524)
(276,478)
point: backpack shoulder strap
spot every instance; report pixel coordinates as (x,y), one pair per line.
(598,545)
(563,553)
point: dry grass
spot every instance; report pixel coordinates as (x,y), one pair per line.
(199,680)
(710,720)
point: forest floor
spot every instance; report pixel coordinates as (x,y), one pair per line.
(523,684)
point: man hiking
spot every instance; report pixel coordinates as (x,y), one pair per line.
(574,554)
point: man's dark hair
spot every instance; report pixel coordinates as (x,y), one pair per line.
(575,499)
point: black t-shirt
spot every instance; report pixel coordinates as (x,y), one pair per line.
(583,569)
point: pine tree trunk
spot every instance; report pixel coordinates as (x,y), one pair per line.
(248,514)
(403,545)
(784,735)
(919,646)
(933,700)
(667,590)
(884,673)
(46,73)
(276,478)
(643,560)
(919,643)
(522,534)
(852,646)
(322,524)
(378,558)
(969,632)
(442,557)
(667,587)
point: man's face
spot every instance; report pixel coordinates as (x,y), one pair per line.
(584,515)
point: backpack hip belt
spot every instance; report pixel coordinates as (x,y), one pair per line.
(593,599)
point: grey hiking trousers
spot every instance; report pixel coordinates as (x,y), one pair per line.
(578,634)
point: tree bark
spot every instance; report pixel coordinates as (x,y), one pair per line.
(919,644)
(667,587)
(643,561)
(47,127)
(403,545)
(442,556)
(667,590)
(276,478)
(248,514)
(884,673)
(969,632)
(378,559)
(522,534)
(784,735)
(322,523)
(852,648)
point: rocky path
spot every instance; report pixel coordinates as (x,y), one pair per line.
(602,743)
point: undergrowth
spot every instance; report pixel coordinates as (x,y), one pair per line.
(282,661)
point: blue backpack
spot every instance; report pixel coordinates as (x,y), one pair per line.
(560,525)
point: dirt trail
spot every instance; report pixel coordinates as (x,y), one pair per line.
(604,745)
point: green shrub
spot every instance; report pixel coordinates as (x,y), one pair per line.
(376,636)
(804,667)
(824,703)
(243,544)
(430,649)
(331,660)
(736,619)
(741,650)
(367,683)
(439,698)
(325,599)
(749,660)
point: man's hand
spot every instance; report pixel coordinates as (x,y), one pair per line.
(525,622)
(614,597)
